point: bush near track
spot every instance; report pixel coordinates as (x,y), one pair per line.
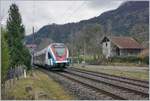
(128,60)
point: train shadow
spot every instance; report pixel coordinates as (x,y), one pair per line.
(57,69)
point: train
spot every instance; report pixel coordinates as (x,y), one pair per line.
(54,56)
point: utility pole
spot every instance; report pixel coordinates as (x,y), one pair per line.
(84,51)
(72,50)
(109,28)
(32,48)
(33,33)
(84,46)
(110,33)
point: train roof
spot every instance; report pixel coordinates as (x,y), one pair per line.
(43,50)
(58,43)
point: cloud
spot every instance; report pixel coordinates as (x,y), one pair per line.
(104,4)
(40,13)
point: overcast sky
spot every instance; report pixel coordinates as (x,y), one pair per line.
(40,13)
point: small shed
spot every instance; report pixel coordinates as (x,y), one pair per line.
(120,46)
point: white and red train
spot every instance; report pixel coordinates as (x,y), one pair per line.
(56,55)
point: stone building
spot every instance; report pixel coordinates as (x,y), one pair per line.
(120,46)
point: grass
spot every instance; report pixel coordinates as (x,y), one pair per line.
(143,75)
(136,75)
(126,64)
(39,82)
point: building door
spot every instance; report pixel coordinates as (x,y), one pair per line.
(117,51)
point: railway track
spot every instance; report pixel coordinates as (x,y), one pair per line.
(140,83)
(106,95)
(111,87)
(117,87)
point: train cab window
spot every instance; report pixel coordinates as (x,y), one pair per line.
(49,55)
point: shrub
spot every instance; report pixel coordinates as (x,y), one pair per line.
(129,59)
(145,60)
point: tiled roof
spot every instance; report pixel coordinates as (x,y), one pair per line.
(31,45)
(126,42)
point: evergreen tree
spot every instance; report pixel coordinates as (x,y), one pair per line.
(4,55)
(15,37)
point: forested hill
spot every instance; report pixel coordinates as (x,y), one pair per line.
(130,18)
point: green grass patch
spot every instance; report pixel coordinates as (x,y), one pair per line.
(136,75)
(39,82)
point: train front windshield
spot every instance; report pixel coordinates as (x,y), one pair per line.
(60,51)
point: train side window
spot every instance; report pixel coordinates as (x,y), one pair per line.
(49,55)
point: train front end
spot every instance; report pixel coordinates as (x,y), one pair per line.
(58,55)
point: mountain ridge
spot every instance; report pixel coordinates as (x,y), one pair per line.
(122,21)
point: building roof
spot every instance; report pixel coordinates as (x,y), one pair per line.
(125,42)
(31,45)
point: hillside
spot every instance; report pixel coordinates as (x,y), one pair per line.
(130,19)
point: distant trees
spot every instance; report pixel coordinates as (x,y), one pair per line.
(140,32)
(87,42)
(14,53)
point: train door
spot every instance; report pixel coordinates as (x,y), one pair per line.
(46,58)
(50,62)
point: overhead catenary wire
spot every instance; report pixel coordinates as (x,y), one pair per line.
(63,15)
(71,15)
(77,9)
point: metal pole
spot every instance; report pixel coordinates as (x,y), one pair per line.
(84,51)
(33,47)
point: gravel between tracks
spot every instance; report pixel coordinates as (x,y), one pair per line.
(113,82)
(85,93)
(136,82)
(112,89)
(81,92)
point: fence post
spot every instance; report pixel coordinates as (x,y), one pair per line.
(25,75)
